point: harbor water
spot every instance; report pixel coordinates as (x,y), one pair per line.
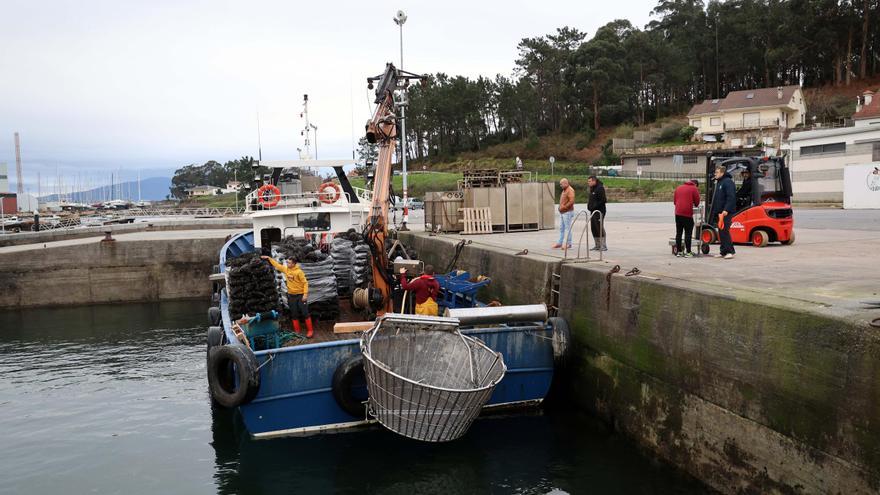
(113,399)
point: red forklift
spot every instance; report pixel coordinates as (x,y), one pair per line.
(763,202)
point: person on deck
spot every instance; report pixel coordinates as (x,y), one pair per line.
(566,213)
(426,289)
(685,199)
(297,293)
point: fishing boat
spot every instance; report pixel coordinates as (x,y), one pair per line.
(295,386)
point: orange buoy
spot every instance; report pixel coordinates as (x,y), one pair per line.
(327,197)
(271,199)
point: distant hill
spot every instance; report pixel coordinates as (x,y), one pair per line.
(152,189)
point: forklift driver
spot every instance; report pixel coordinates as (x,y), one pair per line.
(744,194)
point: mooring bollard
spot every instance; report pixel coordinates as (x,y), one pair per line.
(108,237)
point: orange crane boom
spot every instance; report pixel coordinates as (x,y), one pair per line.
(382,129)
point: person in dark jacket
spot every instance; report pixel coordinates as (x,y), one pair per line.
(744,193)
(685,199)
(723,208)
(596,202)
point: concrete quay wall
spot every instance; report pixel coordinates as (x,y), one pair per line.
(107,272)
(747,397)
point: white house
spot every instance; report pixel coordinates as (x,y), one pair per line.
(203,191)
(232,186)
(818,157)
(749,118)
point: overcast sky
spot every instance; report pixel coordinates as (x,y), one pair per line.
(94,86)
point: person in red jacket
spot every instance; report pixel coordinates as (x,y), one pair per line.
(426,288)
(685,199)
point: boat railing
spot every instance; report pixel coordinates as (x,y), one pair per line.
(309,199)
(365,195)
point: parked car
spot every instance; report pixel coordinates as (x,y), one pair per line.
(416,204)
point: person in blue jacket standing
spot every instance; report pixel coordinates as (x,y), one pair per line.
(723,207)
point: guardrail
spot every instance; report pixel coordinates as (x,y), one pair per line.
(588,217)
(751,124)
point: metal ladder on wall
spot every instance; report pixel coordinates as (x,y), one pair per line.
(555,284)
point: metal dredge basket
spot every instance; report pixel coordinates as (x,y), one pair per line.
(426,380)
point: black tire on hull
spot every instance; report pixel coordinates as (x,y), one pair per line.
(228,364)
(343,378)
(561,339)
(215,337)
(214,315)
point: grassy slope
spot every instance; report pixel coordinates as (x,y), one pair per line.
(421,183)
(218,201)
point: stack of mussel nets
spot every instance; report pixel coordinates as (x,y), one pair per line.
(251,285)
(351,262)
(318,268)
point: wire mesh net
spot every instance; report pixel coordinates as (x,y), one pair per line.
(425,379)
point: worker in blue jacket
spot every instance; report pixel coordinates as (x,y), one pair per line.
(723,208)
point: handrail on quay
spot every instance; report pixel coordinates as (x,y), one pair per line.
(588,216)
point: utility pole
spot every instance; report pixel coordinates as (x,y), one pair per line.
(717,79)
(400,19)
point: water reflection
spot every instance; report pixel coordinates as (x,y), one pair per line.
(113,399)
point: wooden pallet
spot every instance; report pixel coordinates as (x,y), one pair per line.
(481,178)
(476,220)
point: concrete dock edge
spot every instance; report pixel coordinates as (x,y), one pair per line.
(745,396)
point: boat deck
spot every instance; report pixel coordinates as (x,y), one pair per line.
(324,329)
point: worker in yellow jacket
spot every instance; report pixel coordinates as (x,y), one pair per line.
(297,293)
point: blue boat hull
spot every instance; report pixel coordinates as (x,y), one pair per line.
(296,395)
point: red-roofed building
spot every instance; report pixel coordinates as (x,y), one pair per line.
(867,108)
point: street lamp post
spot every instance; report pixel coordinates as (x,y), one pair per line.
(400,19)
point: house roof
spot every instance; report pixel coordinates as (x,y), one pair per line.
(762,97)
(869,111)
(707,106)
(749,98)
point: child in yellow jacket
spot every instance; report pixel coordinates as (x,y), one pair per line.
(297,293)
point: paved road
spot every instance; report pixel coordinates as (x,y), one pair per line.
(811,218)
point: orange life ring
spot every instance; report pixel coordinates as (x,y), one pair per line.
(273,199)
(325,196)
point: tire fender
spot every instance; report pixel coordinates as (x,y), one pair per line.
(228,365)
(561,339)
(215,337)
(343,378)
(214,315)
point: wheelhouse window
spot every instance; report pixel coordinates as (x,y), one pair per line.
(314,222)
(875,152)
(644,162)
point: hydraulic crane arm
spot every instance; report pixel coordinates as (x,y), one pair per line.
(382,130)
